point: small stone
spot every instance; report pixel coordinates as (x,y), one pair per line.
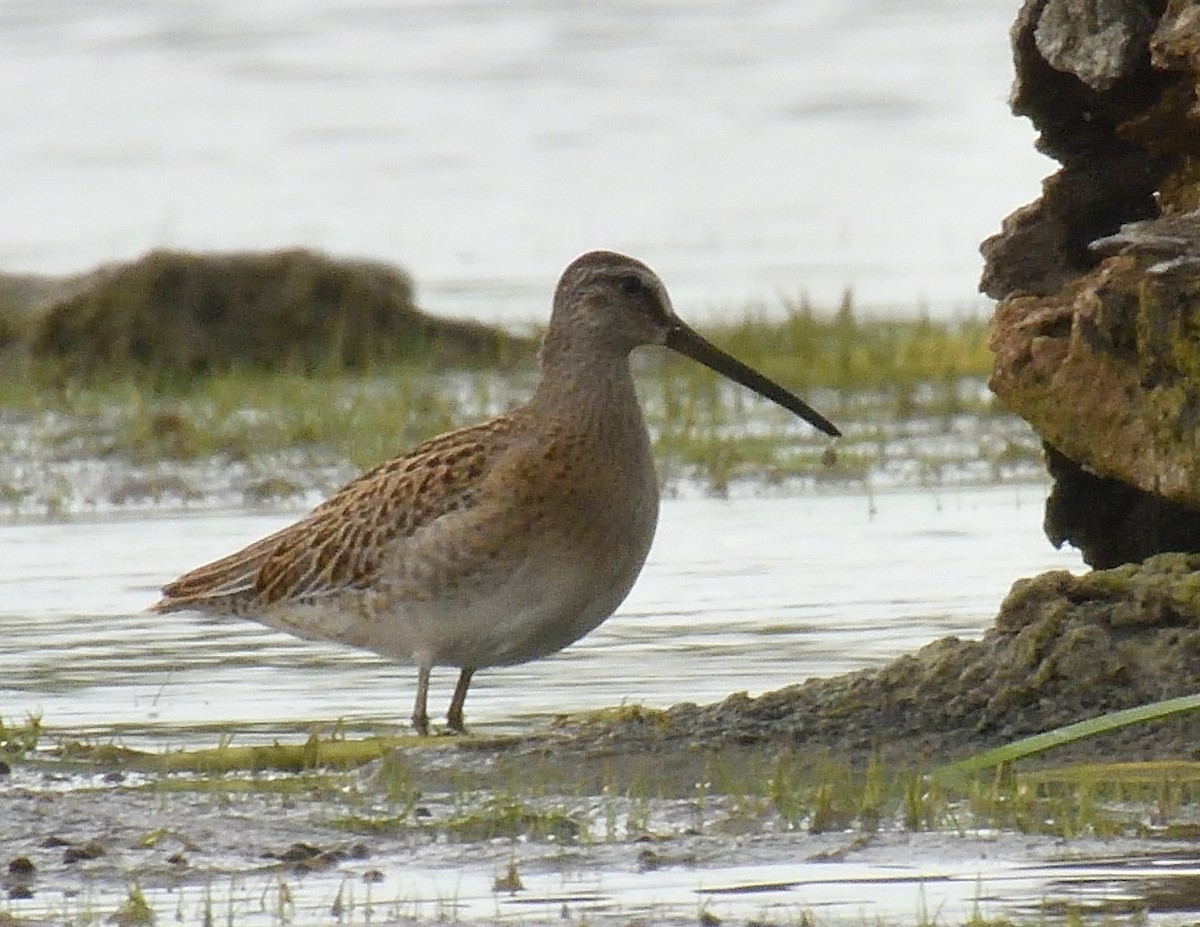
(91,850)
(21,866)
(1099,41)
(648,860)
(296,853)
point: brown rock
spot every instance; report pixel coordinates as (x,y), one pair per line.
(1098,41)
(1097,334)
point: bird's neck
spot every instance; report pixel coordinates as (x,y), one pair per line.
(595,393)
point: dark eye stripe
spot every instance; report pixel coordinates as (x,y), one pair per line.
(631,284)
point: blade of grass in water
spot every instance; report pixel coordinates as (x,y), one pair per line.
(1048,740)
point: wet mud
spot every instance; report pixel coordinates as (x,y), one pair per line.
(1064,648)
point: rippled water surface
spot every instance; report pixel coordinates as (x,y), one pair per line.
(740,594)
(746,594)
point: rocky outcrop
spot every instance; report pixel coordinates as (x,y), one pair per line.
(1097,334)
(173,315)
(1064,648)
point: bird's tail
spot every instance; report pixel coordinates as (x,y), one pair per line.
(220,586)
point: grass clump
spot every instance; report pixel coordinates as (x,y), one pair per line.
(245,416)
(1145,800)
(866,374)
(852,353)
(134,911)
(503,816)
(822,794)
(1140,799)
(171,316)
(19,739)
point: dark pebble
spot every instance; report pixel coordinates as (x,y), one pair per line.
(648,860)
(297,852)
(21,866)
(5,769)
(20,891)
(90,850)
(51,842)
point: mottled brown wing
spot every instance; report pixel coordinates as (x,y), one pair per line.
(339,545)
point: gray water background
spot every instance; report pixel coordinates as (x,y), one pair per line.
(750,152)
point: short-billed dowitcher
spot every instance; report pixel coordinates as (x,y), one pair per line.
(498,543)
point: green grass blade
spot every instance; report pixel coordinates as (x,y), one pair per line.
(1040,743)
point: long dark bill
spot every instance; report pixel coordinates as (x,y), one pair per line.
(691,344)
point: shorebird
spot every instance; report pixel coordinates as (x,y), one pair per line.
(501,542)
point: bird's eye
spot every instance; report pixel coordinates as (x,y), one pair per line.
(631,284)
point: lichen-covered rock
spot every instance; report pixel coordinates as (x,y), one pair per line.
(175,314)
(1099,41)
(1097,334)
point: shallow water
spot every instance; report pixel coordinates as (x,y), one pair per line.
(745,151)
(746,594)
(944,881)
(741,594)
(777,878)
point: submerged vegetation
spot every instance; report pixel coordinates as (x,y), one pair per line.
(585,839)
(302,824)
(424,785)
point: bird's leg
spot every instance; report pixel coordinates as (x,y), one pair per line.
(454,717)
(420,715)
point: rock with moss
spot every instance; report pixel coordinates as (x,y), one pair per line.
(1063,649)
(175,315)
(1097,334)
(24,299)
